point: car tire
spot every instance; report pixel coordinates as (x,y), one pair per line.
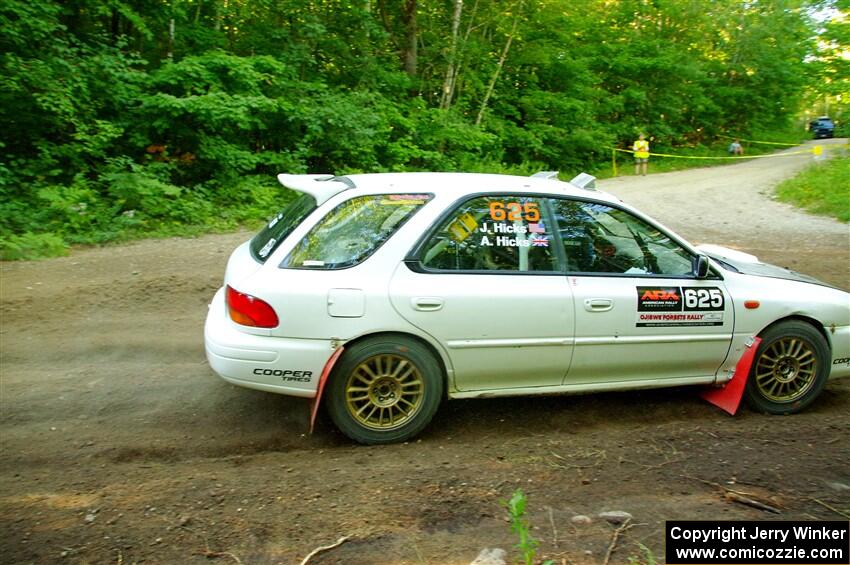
(384,390)
(790,368)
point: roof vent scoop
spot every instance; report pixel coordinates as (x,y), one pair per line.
(545,175)
(585,181)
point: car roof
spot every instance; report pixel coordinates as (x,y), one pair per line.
(323,187)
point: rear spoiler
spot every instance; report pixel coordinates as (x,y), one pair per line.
(581,180)
(320,187)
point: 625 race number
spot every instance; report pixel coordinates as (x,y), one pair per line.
(514,211)
(703,298)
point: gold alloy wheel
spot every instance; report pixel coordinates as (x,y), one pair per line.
(384,392)
(786,370)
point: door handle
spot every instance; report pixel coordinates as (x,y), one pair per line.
(427,303)
(598,304)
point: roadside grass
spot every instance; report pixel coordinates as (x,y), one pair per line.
(15,247)
(30,246)
(822,188)
(246,205)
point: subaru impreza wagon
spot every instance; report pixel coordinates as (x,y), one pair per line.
(383,294)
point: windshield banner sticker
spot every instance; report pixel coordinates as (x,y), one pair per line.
(407,197)
(679,306)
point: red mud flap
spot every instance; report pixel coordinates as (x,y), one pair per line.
(728,397)
(314,409)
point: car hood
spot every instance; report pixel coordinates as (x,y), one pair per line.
(746,264)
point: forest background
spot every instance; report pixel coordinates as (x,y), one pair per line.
(121,119)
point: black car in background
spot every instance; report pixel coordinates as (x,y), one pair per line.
(822,127)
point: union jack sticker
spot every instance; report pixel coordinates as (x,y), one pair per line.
(540,241)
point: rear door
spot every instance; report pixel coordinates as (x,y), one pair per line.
(487,286)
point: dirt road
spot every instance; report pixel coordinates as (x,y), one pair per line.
(120,446)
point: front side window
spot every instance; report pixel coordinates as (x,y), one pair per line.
(353,230)
(599,238)
(493,233)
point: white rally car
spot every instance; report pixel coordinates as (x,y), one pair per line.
(385,293)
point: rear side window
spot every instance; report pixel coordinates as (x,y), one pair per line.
(352,231)
(267,240)
(493,233)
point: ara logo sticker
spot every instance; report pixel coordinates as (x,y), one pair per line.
(679,306)
(659,299)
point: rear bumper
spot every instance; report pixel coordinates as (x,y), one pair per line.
(273,364)
(840,352)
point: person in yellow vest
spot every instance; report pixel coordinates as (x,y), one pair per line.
(641,149)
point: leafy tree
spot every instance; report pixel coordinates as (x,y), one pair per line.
(128,117)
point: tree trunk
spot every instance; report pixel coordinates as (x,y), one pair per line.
(498,70)
(409,55)
(460,57)
(448,83)
(115,26)
(170,54)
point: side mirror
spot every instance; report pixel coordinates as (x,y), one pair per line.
(701,266)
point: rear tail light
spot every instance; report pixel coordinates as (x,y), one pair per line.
(249,310)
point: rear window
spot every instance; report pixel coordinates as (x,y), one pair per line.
(352,231)
(266,241)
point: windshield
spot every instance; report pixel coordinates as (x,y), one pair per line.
(280,226)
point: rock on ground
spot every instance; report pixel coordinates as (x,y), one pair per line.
(615,516)
(490,556)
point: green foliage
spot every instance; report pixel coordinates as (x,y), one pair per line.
(31,246)
(829,68)
(822,188)
(526,544)
(75,208)
(645,558)
(113,126)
